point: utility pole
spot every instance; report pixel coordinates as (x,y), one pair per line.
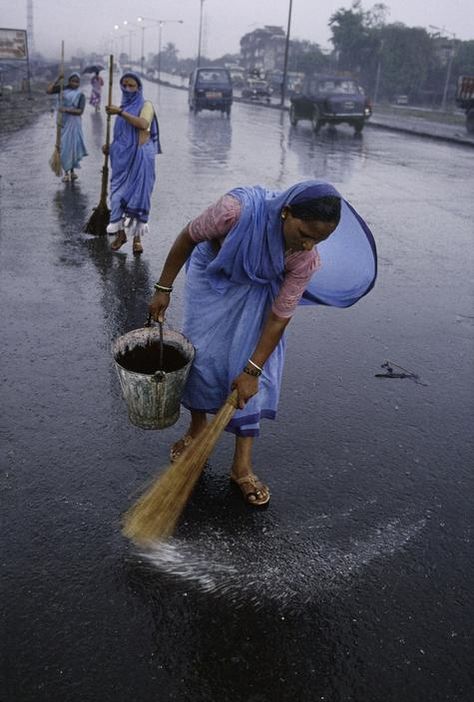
(452,51)
(377,77)
(200,35)
(29,26)
(287,51)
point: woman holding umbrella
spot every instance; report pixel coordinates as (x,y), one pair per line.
(96,83)
(135,144)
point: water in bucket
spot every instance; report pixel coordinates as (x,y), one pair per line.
(152,383)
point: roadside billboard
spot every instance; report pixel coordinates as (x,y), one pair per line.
(13,44)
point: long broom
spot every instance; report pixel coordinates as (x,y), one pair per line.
(100,217)
(55,160)
(155,514)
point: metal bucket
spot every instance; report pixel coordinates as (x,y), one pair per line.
(153,400)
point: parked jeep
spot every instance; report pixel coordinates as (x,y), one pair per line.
(330,100)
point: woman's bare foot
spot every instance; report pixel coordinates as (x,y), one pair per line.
(119,240)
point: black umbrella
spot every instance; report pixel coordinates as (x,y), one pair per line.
(95,68)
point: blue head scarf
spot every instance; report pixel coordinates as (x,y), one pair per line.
(254,250)
(133,103)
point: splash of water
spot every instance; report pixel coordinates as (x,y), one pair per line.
(286,567)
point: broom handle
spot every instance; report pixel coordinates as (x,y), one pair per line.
(105,169)
(228,408)
(59,121)
(109,100)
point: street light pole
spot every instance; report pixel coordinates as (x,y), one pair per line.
(142,58)
(160,23)
(452,51)
(200,35)
(126,22)
(377,76)
(287,51)
(160,28)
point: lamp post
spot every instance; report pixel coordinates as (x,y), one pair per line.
(122,39)
(200,34)
(143,27)
(142,52)
(130,32)
(287,51)
(160,23)
(377,76)
(452,51)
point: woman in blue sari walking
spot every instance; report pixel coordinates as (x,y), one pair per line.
(251,258)
(73,148)
(135,144)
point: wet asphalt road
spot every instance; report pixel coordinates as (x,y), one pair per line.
(356,584)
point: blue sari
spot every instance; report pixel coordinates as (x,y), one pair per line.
(230,293)
(73,148)
(133,165)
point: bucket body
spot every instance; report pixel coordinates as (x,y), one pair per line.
(153,400)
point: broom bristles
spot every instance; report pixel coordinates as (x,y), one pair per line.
(98,221)
(55,162)
(155,514)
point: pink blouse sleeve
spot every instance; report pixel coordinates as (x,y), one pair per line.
(216,221)
(299,267)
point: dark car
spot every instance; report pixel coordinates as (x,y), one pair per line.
(330,100)
(257,90)
(210,89)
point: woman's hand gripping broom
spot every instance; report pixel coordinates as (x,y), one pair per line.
(100,217)
(155,514)
(55,160)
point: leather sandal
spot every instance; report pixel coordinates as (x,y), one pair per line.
(254,492)
(179,447)
(119,241)
(137,247)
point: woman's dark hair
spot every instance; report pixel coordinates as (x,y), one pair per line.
(324,209)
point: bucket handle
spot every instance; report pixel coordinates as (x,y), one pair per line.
(160,374)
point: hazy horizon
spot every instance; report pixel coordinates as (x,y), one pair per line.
(89,26)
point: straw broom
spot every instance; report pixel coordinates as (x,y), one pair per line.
(55,160)
(100,217)
(155,514)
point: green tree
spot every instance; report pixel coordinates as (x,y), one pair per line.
(406,59)
(463,63)
(307,57)
(350,35)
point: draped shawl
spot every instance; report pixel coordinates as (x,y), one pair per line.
(73,147)
(133,166)
(229,294)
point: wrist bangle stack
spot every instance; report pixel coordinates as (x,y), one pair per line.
(252,371)
(164,288)
(255,365)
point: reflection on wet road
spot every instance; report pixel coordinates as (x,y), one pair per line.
(355,584)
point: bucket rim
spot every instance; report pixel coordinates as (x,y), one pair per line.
(149,331)
(187,348)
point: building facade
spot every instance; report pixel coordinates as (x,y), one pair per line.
(263,50)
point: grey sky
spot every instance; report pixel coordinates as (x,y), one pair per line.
(89,23)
